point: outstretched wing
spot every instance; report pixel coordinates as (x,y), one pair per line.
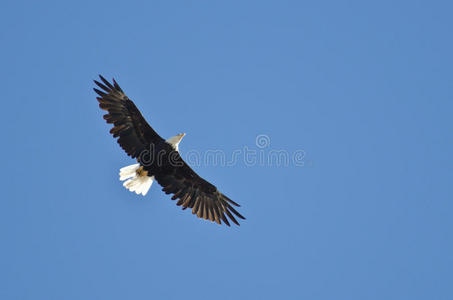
(194,192)
(133,132)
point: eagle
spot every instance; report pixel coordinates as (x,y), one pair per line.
(159,160)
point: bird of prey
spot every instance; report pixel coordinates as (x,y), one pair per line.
(159,159)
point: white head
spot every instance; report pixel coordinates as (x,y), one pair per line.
(175,140)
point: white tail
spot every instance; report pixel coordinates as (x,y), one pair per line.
(137,181)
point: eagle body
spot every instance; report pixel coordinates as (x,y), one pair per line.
(159,160)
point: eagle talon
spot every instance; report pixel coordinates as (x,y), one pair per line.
(141,172)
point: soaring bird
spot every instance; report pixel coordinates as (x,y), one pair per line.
(159,159)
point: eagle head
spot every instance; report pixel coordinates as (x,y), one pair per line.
(175,140)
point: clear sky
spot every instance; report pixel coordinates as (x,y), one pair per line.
(362,89)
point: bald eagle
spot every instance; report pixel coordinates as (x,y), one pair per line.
(159,159)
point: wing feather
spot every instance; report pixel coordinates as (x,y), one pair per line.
(196,193)
(133,132)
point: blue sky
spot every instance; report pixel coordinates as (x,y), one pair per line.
(364,89)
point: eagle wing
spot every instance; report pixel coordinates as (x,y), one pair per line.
(194,192)
(133,132)
(136,135)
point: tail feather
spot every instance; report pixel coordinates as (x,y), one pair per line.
(128,172)
(140,184)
